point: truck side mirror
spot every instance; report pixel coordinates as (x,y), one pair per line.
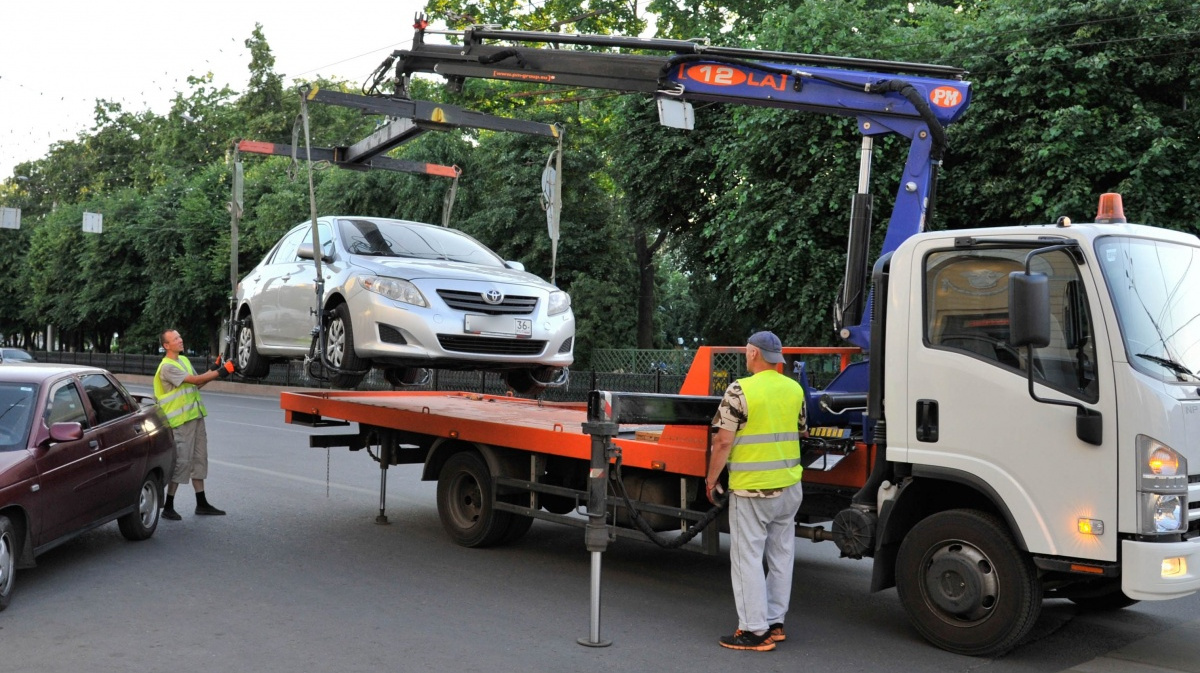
(1028,309)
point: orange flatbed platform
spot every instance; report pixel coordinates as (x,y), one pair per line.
(554,428)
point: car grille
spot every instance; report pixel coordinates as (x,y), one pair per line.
(566,345)
(472,302)
(490,346)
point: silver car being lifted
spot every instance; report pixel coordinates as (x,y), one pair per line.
(402,296)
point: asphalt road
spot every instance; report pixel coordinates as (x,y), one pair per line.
(298,577)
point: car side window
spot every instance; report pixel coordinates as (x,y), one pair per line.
(286,254)
(108,401)
(65,405)
(966,309)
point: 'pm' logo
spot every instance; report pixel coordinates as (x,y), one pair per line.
(945,96)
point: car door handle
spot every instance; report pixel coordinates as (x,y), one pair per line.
(94,445)
(137,429)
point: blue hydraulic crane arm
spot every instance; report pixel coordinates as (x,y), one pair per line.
(912,100)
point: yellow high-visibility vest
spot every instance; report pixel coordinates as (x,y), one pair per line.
(766,451)
(182,404)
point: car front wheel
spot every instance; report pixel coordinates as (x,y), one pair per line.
(8,560)
(348,368)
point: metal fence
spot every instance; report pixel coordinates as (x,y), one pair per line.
(726,367)
(638,361)
(293,374)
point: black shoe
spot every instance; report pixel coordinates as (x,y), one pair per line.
(209,509)
(170,513)
(746,640)
(776,633)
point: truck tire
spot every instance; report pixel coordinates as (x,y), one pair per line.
(464,499)
(518,526)
(141,523)
(965,585)
(8,560)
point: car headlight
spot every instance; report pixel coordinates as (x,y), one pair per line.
(559,302)
(395,289)
(1162,488)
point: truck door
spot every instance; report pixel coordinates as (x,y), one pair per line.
(971,417)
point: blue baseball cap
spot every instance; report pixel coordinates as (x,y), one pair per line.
(769,345)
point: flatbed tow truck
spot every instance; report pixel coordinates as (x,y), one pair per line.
(1026,424)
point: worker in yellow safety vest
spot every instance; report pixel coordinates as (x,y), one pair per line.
(177,389)
(758,428)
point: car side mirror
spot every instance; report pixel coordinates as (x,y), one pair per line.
(515,265)
(305,251)
(66,432)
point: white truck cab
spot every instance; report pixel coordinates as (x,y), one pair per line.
(1048,374)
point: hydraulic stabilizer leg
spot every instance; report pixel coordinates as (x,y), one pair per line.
(596,531)
(385,457)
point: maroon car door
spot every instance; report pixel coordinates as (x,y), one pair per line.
(123,441)
(71,475)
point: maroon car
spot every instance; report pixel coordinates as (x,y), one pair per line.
(77,451)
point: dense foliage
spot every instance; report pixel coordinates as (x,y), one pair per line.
(702,235)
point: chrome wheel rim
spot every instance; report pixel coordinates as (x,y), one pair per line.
(148,505)
(245,343)
(7,563)
(336,341)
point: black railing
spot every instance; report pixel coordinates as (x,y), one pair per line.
(294,374)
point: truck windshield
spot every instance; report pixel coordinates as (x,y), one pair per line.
(1153,285)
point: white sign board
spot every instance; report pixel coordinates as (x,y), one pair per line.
(10,218)
(93,223)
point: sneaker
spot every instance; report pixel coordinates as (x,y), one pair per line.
(746,640)
(776,632)
(209,509)
(170,513)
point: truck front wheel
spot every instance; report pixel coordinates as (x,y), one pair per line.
(966,586)
(464,498)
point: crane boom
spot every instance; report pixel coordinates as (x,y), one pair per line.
(885,97)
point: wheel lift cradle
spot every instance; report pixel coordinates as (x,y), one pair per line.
(515,436)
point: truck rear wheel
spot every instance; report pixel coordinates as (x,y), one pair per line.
(464,498)
(965,585)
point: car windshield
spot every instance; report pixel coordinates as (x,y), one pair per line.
(1153,285)
(394,238)
(15,355)
(16,414)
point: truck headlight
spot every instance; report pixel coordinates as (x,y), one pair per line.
(559,302)
(395,289)
(1162,488)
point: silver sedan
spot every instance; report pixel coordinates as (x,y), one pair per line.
(401,296)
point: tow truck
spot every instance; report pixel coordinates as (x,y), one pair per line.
(1025,424)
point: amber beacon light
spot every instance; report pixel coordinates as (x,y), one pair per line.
(1111,211)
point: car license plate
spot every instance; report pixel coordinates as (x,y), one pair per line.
(521,328)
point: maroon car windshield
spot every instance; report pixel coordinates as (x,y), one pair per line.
(16,414)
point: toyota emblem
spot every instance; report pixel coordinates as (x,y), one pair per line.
(493,297)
